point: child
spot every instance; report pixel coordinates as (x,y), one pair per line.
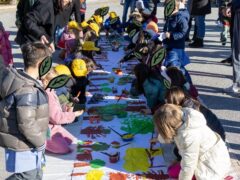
(177,96)
(203,152)
(150,84)
(175,29)
(60,139)
(113,24)
(225,20)
(5,46)
(24,114)
(79,72)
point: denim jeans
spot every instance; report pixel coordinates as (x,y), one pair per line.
(174,58)
(200,25)
(127,4)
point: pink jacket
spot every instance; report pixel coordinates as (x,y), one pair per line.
(5,48)
(61,139)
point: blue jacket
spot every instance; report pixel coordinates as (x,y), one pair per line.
(177,25)
(117,26)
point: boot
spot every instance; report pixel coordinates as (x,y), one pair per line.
(198,43)
(227,61)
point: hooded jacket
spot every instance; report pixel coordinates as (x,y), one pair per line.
(23,111)
(203,152)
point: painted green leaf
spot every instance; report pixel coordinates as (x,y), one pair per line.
(58,82)
(132,33)
(114,20)
(138,55)
(104,11)
(167,84)
(158,57)
(169,8)
(45,66)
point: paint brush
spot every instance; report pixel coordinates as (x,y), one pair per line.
(115,131)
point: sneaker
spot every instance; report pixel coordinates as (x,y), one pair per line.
(232,89)
(198,43)
(227,61)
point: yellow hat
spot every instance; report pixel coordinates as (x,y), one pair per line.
(73,25)
(98,19)
(79,67)
(90,46)
(84,24)
(113,15)
(95,28)
(62,69)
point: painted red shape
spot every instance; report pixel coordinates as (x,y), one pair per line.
(81,164)
(92,132)
(118,176)
(85,156)
(78,174)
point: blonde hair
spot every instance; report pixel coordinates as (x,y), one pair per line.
(175,95)
(167,119)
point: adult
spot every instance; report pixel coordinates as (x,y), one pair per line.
(126,5)
(39,23)
(64,9)
(235,13)
(199,9)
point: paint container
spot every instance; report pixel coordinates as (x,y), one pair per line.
(114,158)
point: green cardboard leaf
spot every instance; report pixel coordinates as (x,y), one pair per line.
(167,84)
(58,81)
(45,66)
(138,55)
(104,11)
(158,57)
(114,20)
(169,8)
(132,33)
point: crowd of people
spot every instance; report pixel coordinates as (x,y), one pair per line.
(32,109)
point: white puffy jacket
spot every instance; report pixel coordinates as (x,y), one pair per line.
(203,152)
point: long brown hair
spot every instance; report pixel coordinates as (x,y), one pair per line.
(167,119)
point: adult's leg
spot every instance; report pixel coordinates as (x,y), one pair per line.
(236,50)
(125,10)
(200,32)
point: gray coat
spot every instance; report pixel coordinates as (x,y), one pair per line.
(23,111)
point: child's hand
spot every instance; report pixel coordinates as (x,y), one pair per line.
(78,113)
(69,108)
(167,34)
(75,99)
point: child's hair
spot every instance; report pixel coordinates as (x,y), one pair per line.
(1,26)
(175,95)
(167,119)
(176,76)
(33,53)
(142,72)
(90,64)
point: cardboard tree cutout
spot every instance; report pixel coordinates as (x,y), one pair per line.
(45,66)
(158,57)
(138,55)
(169,8)
(56,82)
(102,11)
(132,33)
(137,23)
(114,20)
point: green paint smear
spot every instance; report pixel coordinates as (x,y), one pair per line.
(133,123)
(108,112)
(125,80)
(106,89)
(97,163)
(100,146)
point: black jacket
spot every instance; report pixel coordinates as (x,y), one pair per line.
(63,16)
(200,7)
(38,22)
